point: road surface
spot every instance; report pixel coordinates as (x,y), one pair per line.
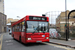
(8,43)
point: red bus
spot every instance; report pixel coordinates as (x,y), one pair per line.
(31,29)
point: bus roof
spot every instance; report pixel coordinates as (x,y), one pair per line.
(25,18)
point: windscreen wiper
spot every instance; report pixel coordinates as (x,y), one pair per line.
(33,32)
(43,32)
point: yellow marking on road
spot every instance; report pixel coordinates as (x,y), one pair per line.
(59,46)
(1,39)
(0,47)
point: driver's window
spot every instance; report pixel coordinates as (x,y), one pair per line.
(43,27)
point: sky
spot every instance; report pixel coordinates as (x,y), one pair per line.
(21,8)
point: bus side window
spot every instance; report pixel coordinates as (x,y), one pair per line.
(20,27)
(17,27)
(26,25)
(13,28)
(23,26)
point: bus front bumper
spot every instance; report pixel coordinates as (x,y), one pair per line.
(37,41)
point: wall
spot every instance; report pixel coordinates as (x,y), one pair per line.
(2,22)
(2,6)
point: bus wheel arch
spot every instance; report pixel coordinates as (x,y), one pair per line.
(13,35)
(20,38)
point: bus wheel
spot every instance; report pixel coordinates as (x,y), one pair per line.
(20,38)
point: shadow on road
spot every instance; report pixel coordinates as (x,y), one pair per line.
(30,44)
(33,44)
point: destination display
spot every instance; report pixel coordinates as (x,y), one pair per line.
(37,18)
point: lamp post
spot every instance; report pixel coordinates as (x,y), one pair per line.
(49,15)
(68,20)
(66,26)
(18,17)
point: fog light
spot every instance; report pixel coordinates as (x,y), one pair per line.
(29,38)
(47,37)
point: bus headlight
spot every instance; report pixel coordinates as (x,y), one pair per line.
(29,39)
(47,37)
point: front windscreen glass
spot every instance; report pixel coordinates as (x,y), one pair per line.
(43,26)
(36,26)
(32,26)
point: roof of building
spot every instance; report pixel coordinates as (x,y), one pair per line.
(2,13)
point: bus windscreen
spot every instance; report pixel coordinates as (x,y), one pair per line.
(36,26)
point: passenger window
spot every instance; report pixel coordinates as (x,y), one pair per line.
(13,28)
(23,26)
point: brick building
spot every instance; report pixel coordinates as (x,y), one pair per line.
(9,20)
(61,21)
(2,22)
(2,6)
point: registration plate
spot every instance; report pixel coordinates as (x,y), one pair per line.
(38,41)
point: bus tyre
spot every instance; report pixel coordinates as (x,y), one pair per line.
(20,38)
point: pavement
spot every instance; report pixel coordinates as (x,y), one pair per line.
(70,43)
